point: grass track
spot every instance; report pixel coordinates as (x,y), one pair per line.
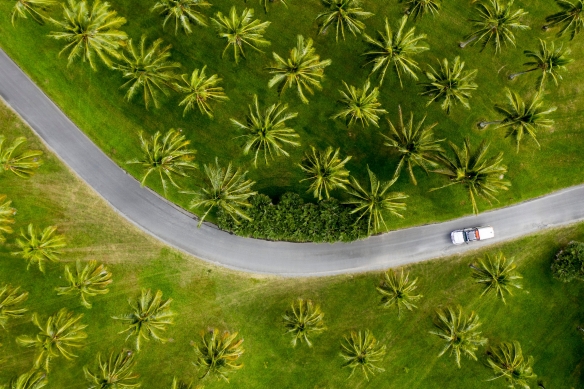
(93,100)
(542,316)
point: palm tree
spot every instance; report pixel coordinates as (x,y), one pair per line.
(267,131)
(217,353)
(21,164)
(361,350)
(325,170)
(398,291)
(549,61)
(240,31)
(264,3)
(61,332)
(459,332)
(450,85)
(177,384)
(522,119)
(225,189)
(183,12)
(150,314)
(373,202)
(507,361)
(113,373)
(570,17)
(419,8)
(360,105)
(495,23)
(90,32)
(344,14)
(497,276)
(10,299)
(415,144)
(396,49)
(481,176)
(303,320)
(88,281)
(148,71)
(40,246)
(32,8)
(303,69)
(30,380)
(200,91)
(166,155)
(6,214)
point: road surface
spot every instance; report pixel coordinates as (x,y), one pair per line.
(177,228)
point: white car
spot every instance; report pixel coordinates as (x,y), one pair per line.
(471,234)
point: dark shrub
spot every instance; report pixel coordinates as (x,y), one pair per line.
(293,220)
(569,263)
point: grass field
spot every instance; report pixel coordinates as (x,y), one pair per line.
(543,315)
(93,100)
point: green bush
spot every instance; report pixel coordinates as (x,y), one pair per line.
(569,263)
(293,220)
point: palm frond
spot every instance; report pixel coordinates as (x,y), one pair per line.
(372,202)
(360,105)
(90,33)
(88,281)
(183,12)
(217,353)
(6,217)
(418,8)
(497,275)
(266,132)
(344,15)
(148,70)
(22,164)
(58,335)
(32,379)
(200,90)
(38,247)
(495,24)
(241,31)
(521,118)
(303,69)
(113,373)
(395,49)
(415,143)
(10,300)
(150,315)
(459,332)
(507,361)
(450,85)
(34,8)
(226,189)
(550,62)
(481,176)
(570,18)
(303,320)
(166,156)
(361,350)
(325,170)
(398,291)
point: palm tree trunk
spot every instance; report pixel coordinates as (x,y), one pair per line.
(512,76)
(473,38)
(485,123)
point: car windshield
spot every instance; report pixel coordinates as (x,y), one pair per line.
(471,234)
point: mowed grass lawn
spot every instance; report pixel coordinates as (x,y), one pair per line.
(94,101)
(543,316)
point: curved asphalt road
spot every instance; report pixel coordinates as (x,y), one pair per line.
(178,228)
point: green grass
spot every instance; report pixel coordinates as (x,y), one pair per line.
(543,315)
(93,100)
